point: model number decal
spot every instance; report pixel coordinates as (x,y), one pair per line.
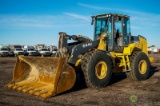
(86,45)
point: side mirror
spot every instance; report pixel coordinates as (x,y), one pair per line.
(92,22)
(93,18)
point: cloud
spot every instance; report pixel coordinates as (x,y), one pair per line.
(138,18)
(27,21)
(112,9)
(42,21)
(77,16)
(93,7)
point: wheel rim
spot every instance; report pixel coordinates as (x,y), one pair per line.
(101,70)
(142,66)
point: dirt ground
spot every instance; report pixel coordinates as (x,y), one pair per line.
(120,92)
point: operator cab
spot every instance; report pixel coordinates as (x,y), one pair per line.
(117,28)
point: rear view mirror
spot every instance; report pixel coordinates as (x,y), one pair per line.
(93,18)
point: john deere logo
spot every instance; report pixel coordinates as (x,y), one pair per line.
(133,98)
(86,45)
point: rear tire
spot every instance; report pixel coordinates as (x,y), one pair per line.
(97,69)
(140,66)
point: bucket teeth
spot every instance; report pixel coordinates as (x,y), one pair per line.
(46,95)
(26,89)
(37,93)
(10,85)
(31,92)
(14,87)
(37,90)
(20,88)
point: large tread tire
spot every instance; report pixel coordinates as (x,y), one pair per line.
(137,59)
(88,66)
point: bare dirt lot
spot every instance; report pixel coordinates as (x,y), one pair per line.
(120,92)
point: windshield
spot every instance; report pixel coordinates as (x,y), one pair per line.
(4,49)
(45,50)
(19,49)
(54,50)
(101,25)
(30,49)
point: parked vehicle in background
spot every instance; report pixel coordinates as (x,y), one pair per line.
(54,51)
(13,50)
(11,53)
(18,51)
(30,51)
(38,53)
(4,52)
(52,48)
(45,52)
(25,53)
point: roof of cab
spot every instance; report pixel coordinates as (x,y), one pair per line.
(113,14)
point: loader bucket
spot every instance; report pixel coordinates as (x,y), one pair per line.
(42,76)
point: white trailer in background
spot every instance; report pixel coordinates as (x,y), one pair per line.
(155,50)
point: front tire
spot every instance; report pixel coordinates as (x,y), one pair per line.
(97,69)
(140,66)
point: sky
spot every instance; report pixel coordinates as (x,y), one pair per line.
(31,22)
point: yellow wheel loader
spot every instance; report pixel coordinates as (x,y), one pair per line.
(113,49)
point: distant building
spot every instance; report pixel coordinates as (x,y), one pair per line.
(51,48)
(1,45)
(40,46)
(15,46)
(28,47)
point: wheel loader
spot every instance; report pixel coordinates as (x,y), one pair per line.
(113,49)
